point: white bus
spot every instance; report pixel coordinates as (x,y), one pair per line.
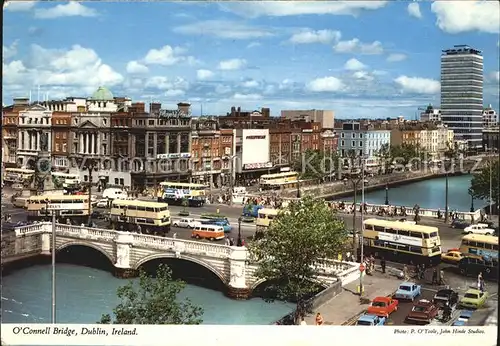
(264,219)
(66,181)
(18,176)
(72,208)
(281,180)
(402,242)
(135,215)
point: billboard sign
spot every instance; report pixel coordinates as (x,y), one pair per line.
(255,147)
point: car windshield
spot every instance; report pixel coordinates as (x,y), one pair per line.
(418,309)
(471,295)
(364,323)
(379,304)
(405,288)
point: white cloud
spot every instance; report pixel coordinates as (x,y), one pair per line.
(311,36)
(167,56)
(418,85)
(71,9)
(414,10)
(356,46)
(354,65)
(78,69)
(163,83)
(232,64)
(174,93)
(10,50)
(239,96)
(204,74)
(134,67)
(363,75)
(18,6)
(250,84)
(222,89)
(462,16)
(324,84)
(223,29)
(278,8)
(396,57)
(253,44)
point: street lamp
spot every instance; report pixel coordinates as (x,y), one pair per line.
(239,242)
(53,254)
(91,166)
(386,194)
(355,179)
(447,166)
(471,193)
(298,187)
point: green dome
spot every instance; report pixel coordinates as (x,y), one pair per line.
(102,94)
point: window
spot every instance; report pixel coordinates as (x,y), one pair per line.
(342,143)
(353,144)
(342,135)
(57,147)
(360,143)
(64,147)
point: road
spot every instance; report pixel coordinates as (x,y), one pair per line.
(450,237)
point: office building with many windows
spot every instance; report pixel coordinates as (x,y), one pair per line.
(462,93)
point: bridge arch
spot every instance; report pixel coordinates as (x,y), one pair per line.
(89,245)
(185,258)
(262,281)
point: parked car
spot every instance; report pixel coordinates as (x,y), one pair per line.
(459,224)
(382,306)
(472,266)
(473,299)
(186,223)
(102,203)
(445,296)
(480,228)
(422,311)
(408,290)
(452,257)
(463,318)
(370,320)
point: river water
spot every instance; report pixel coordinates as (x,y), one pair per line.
(84,294)
(429,194)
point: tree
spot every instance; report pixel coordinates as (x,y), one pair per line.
(315,164)
(153,301)
(304,234)
(480,184)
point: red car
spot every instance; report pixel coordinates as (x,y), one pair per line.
(382,306)
(422,311)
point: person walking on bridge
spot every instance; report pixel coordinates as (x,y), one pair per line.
(319,319)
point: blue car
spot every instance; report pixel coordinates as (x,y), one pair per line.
(370,320)
(224,223)
(464,317)
(408,290)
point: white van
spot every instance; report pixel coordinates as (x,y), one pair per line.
(114,193)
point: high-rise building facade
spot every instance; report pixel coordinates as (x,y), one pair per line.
(462,93)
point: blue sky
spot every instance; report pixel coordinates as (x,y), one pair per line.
(360,59)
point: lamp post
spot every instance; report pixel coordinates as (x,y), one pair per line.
(53,255)
(363,224)
(91,166)
(354,178)
(386,194)
(298,188)
(446,211)
(239,242)
(471,200)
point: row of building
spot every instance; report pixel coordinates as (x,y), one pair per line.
(138,147)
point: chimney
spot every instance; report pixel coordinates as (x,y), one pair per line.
(154,107)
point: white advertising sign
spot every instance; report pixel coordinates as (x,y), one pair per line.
(402,239)
(67,206)
(255,145)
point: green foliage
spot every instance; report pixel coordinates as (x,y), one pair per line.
(480,184)
(403,154)
(315,164)
(153,301)
(297,239)
(212,216)
(453,151)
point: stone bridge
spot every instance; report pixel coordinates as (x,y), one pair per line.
(128,251)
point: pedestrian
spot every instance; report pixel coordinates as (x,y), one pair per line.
(481,285)
(231,242)
(441,277)
(174,235)
(479,279)
(339,257)
(434,277)
(303,322)
(405,273)
(382,264)
(319,319)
